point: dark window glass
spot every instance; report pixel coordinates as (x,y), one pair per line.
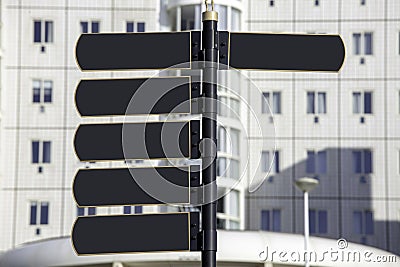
(80,211)
(369,223)
(48,38)
(368,103)
(46,151)
(368,161)
(322,162)
(277,163)
(138,209)
(310,102)
(265,220)
(36,91)
(368,43)
(141,27)
(310,164)
(129,26)
(95,27)
(92,211)
(127,209)
(357,222)
(33,213)
(276,216)
(37,31)
(323,221)
(44,213)
(35,151)
(48,88)
(357,161)
(84,27)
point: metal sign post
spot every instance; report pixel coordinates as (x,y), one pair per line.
(209,124)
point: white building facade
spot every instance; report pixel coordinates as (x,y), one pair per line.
(342,128)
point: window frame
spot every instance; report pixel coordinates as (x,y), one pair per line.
(362,45)
(316,158)
(316,101)
(317,221)
(274,161)
(42,91)
(271,226)
(362,102)
(44,36)
(89,25)
(36,217)
(41,152)
(363,161)
(266,109)
(365,228)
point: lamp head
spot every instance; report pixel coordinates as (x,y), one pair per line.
(306,184)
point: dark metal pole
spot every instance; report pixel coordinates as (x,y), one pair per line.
(209,131)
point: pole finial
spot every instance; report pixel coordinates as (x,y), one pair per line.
(210,14)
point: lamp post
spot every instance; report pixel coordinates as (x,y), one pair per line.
(306,184)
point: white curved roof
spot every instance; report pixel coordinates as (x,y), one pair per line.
(233,246)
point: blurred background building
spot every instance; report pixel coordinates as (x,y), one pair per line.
(343,129)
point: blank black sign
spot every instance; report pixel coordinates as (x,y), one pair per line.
(132,233)
(152,140)
(124,51)
(123,186)
(133,96)
(297,52)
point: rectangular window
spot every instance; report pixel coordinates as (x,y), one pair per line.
(48,37)
(92,211)
(368,43)
(41,150)
(36,91)
(141,27)
(318,221)
(275,105)
(84,27)
(271,220)
(95,27)
(46,151)
(44,213)
(265,218)
(316,3)
(363,222)
(362,161)
(138,209)
(221,166)
(35,151)
(33,217)
(130,26)
(363,43)
(90,26)
(267,163)
(127,209)
(222,139)
(43,31)
(42,91)
(362,103)
(37,31)
(316,102)
(317,162)
(80,211)
(48,91)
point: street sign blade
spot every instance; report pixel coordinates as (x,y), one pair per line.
(118,97)
(135,233)
(286,52)
(151,140)
(129,186)
(124,51)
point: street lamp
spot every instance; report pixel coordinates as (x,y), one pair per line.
(306,184)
